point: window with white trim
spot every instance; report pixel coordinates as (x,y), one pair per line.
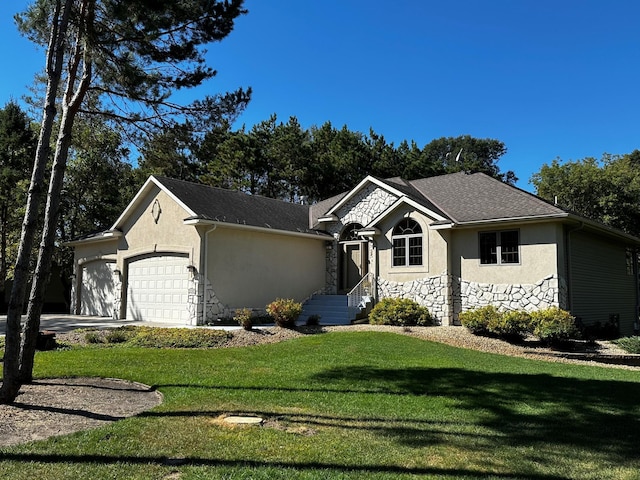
(407,243)
(500,248)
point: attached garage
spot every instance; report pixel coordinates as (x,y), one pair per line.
(97,288)
(158,288)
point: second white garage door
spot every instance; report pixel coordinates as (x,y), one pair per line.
(158,289)
(96,290)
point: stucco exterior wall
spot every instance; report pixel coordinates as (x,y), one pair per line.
(249,269)
(143,234)
(538,255)
(434,249)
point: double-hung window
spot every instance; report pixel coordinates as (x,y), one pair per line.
(407,243)
(500,248)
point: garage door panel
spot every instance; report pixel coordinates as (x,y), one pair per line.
(97,289)
(158,288)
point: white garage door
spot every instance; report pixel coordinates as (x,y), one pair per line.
(97,288)
(158,289)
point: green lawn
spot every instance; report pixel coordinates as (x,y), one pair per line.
(347,405)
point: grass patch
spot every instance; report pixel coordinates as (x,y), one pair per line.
(629,344)
(347,405)
(154,337)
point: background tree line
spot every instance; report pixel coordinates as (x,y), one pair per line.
(279,160)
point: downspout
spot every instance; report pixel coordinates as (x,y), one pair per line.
(205,275)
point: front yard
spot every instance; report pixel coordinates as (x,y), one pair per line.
(347,405)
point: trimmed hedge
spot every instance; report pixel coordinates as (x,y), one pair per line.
(285,312)
(400,311)
(551,325)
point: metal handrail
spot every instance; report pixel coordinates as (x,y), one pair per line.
(364,288)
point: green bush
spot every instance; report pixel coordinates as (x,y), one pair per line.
(480,320)
(399,311)
(629,344)
(118,335)
(553,325)
(284,312)
(93,337)
(243,317)
(512,325)
(178,337)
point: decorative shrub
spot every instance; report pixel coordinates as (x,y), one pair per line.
(284,312)
(629,344)
(399,311)
(118,335)
(178,337)
(512,325)
(243,317)
(93,337)
(553,325)
(313,320)
(481,320)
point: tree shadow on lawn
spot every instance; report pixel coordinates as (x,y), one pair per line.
(322,469)
(550,418)
(522,409)
(556,420)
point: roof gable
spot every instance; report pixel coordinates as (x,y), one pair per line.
(205,203)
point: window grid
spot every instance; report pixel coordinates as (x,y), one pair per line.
(500,248)
(407,243)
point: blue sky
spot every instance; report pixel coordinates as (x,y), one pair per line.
(549,78)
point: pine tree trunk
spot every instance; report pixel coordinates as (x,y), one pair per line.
(55,59)
(45,253)
(75,91)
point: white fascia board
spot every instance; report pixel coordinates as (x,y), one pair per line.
(140,195)
(368,232)
(241,226)
(357,188)
(407,201)
(502,221)
(101,237)
(328,219)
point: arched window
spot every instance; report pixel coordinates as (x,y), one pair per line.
(407,243)
(350,233)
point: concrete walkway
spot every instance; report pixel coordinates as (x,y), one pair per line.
(62,323)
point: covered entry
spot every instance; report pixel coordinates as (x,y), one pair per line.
(158,288)
(353,258)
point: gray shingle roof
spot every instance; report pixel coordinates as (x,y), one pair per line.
(476,197)
(228,206)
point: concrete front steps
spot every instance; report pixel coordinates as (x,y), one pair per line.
(332,309)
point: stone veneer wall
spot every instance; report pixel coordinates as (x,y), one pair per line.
(431,292)
(198,288)
(117,294)
(363,208)
(439,293)
(551,291)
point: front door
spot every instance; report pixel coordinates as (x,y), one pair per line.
(353,264)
